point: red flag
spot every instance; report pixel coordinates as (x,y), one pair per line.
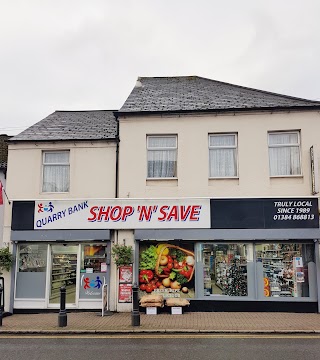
(1,197)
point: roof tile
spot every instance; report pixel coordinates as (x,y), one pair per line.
(192,93)
(72,125)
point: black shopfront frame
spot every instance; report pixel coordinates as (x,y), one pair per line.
(252,221)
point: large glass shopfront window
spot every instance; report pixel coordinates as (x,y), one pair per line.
(31,271)
(42,269)
(286,268)
(225,269)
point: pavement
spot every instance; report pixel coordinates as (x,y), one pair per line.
(188,322)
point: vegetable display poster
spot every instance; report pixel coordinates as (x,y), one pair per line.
(167,269)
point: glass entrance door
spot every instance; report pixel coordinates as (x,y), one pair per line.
(63,272)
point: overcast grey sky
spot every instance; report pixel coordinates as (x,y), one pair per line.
(87,55)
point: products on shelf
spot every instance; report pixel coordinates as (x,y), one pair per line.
(225,270)
(64,267)
(278,268)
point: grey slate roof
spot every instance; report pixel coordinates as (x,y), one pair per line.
(193,93)
(72,125)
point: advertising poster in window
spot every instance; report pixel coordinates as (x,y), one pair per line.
(167,269)
(125,274)
(125,284)
(125,293)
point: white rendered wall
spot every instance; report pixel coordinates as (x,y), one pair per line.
(193,155)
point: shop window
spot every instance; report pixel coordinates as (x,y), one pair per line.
(285,268)
(56,171)
(284,153)
(223,155)
(167,269)
(162,156)
(33,258)
(93,258)
(32,271)
(225,269)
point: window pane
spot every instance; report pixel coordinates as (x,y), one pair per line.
(92,257)
(162,163)
(56,157)
(285,161)
(225,269)
(222,140)
(223,162)
(162,142)
(286,268)
(55,178)
(285,138)
(32,258)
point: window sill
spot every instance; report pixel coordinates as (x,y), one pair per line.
(162,181)
(162,178)
(224,178)
(286,176)
(55,192)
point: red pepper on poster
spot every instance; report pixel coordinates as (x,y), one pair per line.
(145,276)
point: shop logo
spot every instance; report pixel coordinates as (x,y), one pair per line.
(45,208)
(88,283)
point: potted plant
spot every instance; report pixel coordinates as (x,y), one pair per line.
(6,259)
(122,254)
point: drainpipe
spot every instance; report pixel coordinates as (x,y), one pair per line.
(117,157)
(116,196)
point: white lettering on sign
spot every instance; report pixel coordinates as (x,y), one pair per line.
(293,210)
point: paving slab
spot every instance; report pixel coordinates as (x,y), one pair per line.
(197,322)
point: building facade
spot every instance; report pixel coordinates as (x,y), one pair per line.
(253,157)
(215,186)
(67,156)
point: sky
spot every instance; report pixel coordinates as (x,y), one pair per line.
(87,55)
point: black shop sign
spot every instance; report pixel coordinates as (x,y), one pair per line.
(283,213)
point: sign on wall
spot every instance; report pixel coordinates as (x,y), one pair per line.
(122,214)
(186,213)
(267,213)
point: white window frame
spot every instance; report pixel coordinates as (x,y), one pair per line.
(235,146)
(163,149)
(54,164)
(298,145)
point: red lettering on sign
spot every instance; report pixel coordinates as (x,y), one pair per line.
(128,211)
(173,214)
(195,212)
(185,213)
(104,213)
(93,213)
(163,212)
(145,212)
(116,213)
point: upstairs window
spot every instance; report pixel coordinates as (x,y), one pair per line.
(223,155)
(284,153)
(162,156)
(56,171)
